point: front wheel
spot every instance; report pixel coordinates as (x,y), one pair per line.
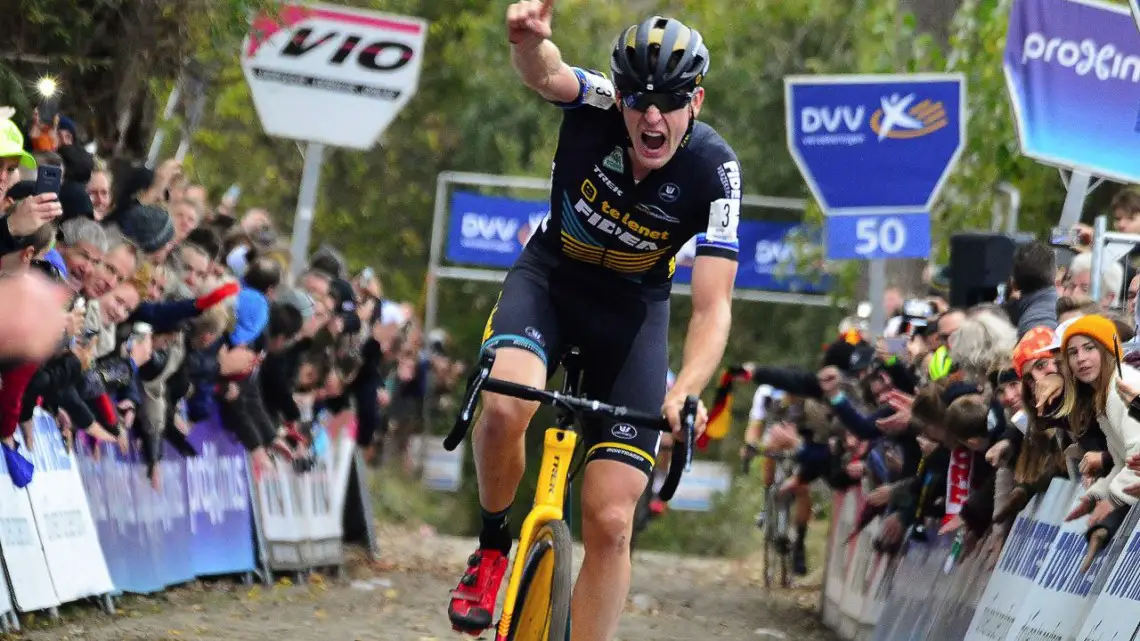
(542,608)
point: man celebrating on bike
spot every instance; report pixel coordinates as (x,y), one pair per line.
(635,177)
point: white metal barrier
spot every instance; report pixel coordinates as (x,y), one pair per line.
(1036,592)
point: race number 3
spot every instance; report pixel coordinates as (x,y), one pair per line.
(724,218)
(875,235)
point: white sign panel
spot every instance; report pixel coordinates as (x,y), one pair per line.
(1021,562)
(1115,614)
(1060,596)
(20,541)
(330,74)
(63,516)
(442,470)
(697,487)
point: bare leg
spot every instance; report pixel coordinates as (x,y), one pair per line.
(610,491)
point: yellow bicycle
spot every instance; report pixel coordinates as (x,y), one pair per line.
(537,603)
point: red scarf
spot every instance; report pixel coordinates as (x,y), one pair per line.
(958,482)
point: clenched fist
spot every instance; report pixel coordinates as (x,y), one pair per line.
(528,22)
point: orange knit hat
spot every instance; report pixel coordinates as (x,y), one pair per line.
(1096,327)
(1034,345)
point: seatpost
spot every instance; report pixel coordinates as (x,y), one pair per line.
(572,367)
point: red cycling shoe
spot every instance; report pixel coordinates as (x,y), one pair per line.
(472,603)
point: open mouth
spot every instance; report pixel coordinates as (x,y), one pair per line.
(653,140)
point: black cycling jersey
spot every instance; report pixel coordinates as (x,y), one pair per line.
(597,273)
(600,216)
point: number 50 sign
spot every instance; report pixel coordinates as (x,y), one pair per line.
(869,236)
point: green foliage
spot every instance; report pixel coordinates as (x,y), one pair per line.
(471,114)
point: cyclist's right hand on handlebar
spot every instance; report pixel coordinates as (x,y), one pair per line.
(672,408)
(528,22)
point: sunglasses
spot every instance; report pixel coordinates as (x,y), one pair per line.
(665,102)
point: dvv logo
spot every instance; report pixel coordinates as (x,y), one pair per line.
(490,233)
(898,118)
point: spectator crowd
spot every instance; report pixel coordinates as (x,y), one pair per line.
(179,310)
(956,417)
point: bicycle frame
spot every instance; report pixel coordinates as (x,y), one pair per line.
(549,500)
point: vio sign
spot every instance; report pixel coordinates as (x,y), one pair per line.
(332,75)
(381,55)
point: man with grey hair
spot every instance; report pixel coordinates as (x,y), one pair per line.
(83,247)
(1079,281)
(117,265)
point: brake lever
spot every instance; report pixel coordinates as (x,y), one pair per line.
(479,376)
(689,423)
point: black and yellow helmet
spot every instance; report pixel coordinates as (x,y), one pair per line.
(660,55)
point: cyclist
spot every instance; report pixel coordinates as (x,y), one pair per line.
(634,177)
(768,406)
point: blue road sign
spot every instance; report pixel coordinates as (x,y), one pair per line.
(870,236)
(876,146)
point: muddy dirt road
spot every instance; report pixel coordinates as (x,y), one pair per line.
(403,598)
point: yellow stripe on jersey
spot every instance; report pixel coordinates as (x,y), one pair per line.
(620,261)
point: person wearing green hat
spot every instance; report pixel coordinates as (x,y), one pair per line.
(32,212)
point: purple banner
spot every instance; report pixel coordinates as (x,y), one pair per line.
(197,522)
(1073,72)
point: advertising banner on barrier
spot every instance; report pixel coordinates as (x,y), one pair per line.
(302,512)
(1115,611)
(1062,56)
(1060,593)
(63,516)
(845,512)
(1020,563)
(490,231)
(20,542)
(198,522)
(219,500)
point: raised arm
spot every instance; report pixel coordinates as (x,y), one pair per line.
(536,59)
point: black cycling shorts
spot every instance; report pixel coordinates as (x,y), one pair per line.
(546,307)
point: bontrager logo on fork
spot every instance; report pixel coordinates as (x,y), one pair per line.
(537,603)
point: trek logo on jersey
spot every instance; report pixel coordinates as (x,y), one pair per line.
(614,222)
(606,179)
(615,161)
(897,117)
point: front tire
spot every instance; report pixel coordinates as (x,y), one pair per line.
(542,608)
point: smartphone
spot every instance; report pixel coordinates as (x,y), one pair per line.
(1064,236)
(918,308)
(47,111)
(48,179)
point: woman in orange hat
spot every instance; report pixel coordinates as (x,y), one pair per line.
(1039,455)
(1091,365)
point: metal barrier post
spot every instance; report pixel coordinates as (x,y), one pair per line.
(255,512)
